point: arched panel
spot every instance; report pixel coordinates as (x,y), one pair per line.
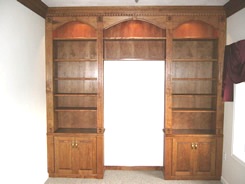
(74,29)
(134,28)
(134,39)
(195,29)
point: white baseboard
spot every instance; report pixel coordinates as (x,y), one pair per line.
(223,180)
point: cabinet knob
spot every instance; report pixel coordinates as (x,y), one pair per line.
(195,146)
(192,145)
(72,144)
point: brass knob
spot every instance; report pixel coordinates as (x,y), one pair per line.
(196,146)
(192,145)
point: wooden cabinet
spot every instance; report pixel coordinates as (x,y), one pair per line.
(193,156)
(193,122)
(75,126)
(190,40)
(75,155)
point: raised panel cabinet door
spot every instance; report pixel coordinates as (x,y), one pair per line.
(63,155)
(205,152)
(85,159)
(182,162)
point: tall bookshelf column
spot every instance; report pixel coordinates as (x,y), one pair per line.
(74,142)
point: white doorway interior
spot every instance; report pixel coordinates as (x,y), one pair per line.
(134,112)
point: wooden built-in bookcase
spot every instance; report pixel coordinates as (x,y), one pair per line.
(189,39)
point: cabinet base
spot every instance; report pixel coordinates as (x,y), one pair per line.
(97,176)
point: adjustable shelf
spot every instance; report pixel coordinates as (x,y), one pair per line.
(194,95)
(75,94)
(76,109)
(76,130)
(195,79)
(194,60)
(75,60)
(191,132)
(193,110)
(134,38)
(76,39)
(77,78)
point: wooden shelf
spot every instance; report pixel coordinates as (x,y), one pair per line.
(75,94)
(77,78)
(196,79)
(76,60)
(193,110)
(194,60)
(76,130)
(76,109)
(193,131)
(134,59)
(135,38)
(195,39)
(76,38)
(193,95)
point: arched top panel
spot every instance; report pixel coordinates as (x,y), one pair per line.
(74,29)
(195,29)
(134,28)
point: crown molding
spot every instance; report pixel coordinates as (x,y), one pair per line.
(41,8)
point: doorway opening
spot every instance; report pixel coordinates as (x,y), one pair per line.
(134,112)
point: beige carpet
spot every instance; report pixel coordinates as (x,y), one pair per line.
(127,177)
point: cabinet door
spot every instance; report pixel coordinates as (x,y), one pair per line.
(182,157)
(85,159)
(64,155)
(204,161)
(194,156)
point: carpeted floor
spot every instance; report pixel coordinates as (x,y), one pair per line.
(127,177)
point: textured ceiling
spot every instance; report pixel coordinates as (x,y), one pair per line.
(61,3)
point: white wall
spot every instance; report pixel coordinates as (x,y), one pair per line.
(22,95)
(134,113)
(232,171)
